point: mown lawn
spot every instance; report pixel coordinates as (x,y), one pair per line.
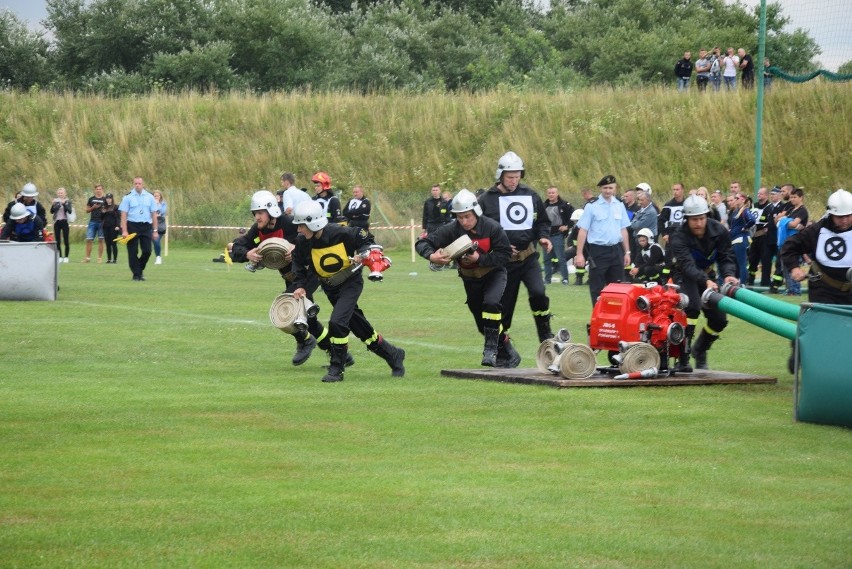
(162,424)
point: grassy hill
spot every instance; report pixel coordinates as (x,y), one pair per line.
(207,152)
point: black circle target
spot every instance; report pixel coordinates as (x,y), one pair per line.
(677,215)
(517,213)
(330,263)
(835,248)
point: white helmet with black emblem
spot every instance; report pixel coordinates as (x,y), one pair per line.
(509,162)
(310,214)
(466,200)
(264,199)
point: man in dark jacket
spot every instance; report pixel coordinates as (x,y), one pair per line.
(683,71)
(520,212)
(559,213)
(700,248)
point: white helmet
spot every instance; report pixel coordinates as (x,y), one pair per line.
(695,205)
(29,190)
(464,201)
(645,187)
(839,203)
(19,211)
(265,200)
(509,162)
(576,214)
(310,213)
(646,233)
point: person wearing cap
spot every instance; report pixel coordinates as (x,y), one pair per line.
(289,195)
(61,208)
(828,244)
(521,213)
(111,225)
(482,270)
(701,250)
(28,195)
(94,207)
(603,227)
(269,222)
(333,253)
(138,215)
(646,216)
(22,226)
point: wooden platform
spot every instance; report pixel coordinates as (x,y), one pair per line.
(535,377)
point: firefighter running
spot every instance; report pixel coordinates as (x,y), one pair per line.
(482,270)
(271,222)
(333,253)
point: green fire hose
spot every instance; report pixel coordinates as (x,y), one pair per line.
(750,314)
(764,303)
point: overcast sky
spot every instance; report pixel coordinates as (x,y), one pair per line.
(829,22)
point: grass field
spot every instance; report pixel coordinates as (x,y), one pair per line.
(161,424)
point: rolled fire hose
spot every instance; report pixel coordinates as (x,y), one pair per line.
(639,357)
(550,349)
(289,314)
(276,252)
(577,361)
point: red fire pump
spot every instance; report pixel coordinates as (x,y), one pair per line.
(644,323)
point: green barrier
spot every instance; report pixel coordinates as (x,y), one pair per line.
(823,387)
(750,314)
(765,303)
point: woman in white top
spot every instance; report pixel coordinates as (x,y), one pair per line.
(730,64)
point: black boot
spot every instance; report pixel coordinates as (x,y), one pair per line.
(700,347)
(325,345)
(578,277)
(391,354)
(489,351)
(542,326)
(683,360)
(338,357)
(305,344)
(507,356)
(750,280)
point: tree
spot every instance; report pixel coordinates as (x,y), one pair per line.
(23,54)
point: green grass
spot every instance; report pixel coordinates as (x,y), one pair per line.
(161,424)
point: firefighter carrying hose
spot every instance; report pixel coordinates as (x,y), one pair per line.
(482,270)
(701,249)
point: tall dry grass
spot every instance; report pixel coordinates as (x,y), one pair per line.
(208,152)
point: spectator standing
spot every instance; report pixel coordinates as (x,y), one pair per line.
(646,217)
(789,223)
(331,251)
(767,74)
(730,64)
(683,71)
(483,271)
(604,227)
(758,240)
(776,206)
(702,70)
(571,248)
(23,226)
(671,216)
(290,195)
(588,196)
(741,220)
(716,69)
(435,210)
(520,212)
(325,197)
(61,208)
(746,69)
(138,215)
(701,251)
(718,205)
(94,207)
(357,210)
(162,213)
(559,213)
(111,225)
